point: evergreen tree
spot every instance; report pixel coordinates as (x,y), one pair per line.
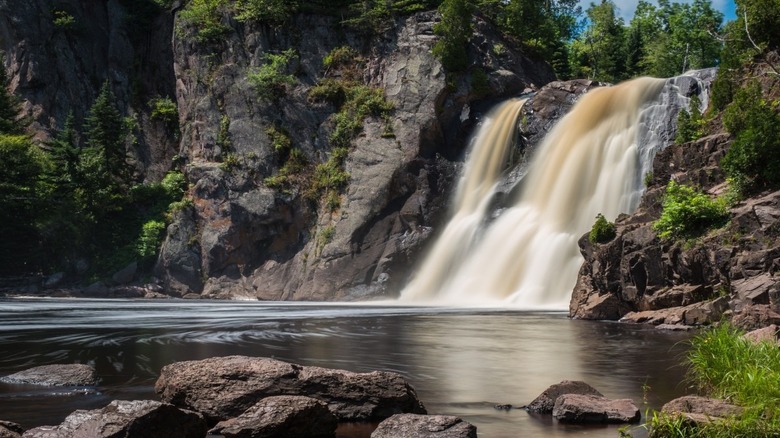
(454,32)
(105,134)
(9,105)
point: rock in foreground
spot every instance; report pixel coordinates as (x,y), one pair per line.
(577,408)
(281,416)
(55,375)
(424,426)
(137,419)
(225,387)
(545,403)
(10,430)
(694,404)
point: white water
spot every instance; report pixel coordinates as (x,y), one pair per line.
(592,162)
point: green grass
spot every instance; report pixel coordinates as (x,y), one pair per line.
(723,364)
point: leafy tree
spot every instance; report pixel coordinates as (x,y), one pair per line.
(602,45)
(454,32)
(753,159)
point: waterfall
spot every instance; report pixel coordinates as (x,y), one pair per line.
(591,162)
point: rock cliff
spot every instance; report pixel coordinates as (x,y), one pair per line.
(242,234)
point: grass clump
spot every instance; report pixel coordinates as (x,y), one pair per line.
(603,231)
(687,212)
(271,79)
(206,17)
(165,110)
(725,365)
(292,163)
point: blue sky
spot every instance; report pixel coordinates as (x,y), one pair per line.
(627,7)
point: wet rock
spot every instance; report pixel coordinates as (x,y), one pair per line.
(424,426)
(225,387)
(126,274)
(545,402)
(695,314)
(577,408)
(55,375)
(281,416)
(137,419)
(10,430)
(53,280)
(97,289)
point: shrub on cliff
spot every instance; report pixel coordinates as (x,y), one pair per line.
(454,32)
(753,159)
(603,231)
(687,212)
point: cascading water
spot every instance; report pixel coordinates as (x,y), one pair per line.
(592,162)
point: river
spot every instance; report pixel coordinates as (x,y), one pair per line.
(461,361)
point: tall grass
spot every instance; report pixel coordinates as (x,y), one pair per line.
(723,364)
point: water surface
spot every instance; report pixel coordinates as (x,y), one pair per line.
(461,362)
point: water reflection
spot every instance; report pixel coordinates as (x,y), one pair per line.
(461,362)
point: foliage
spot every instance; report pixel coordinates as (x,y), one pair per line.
(753,159)
(724,364)
(271,79)
(329,90)
(687,212)
(106,132)
(63,20)
(454,31)
(165,110)
(292,163)
(603,231)
(689,124)
(206,17)
(600,48)
(150,239)
(275,11)
(479,82)
(10,107)
(339,56)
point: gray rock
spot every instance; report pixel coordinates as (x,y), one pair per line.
(10,430)
(545,402)
(137,419)
(577,408)
(126,274)
(53,280)
(766,334)
(242,380)
(55,375)
(424,426)
(281,416)
(96,289)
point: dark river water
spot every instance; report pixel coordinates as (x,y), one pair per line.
(461,361)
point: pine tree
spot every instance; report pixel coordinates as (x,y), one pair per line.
(105,133)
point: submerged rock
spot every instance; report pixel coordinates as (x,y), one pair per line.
(424,426)
(225,387)
(578,408)
(545,402)
(281,416)
(55,375)
(137,419)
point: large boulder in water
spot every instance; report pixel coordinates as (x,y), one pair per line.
(281,416)
(578,408)
(55,375)
(225,387)
(137,419)
(424,426)
(545,402)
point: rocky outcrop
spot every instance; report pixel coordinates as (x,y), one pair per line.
(578,408)
(242,381)
(640,278)
(140,418)
(281,416)
(55,375)
(698,411)
(10,430)
(424,426)
(545,402)
(767,334)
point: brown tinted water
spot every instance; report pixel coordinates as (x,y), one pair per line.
(461,361)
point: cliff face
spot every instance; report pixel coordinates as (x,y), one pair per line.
(241,234)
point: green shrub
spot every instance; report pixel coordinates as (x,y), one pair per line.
(150,239)
(687,212)
(753,159)
(271,79)
(275,11)
(329,90)
(165,110)
(602,231)
(339,56)
(206,17)
(63,20)
(454,31)
(175,184)
(689,122)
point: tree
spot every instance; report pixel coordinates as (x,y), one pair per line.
(10,106)
(454,32)
(602,44)
(105,132)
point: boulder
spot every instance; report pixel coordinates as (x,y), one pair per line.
(545,402)
(10,430)
(53,280)
(126,274)
(225,387)
(137,419)
(424,426)
(55,375)
(694,404)
(766,334)
(281,416)
(578,408)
